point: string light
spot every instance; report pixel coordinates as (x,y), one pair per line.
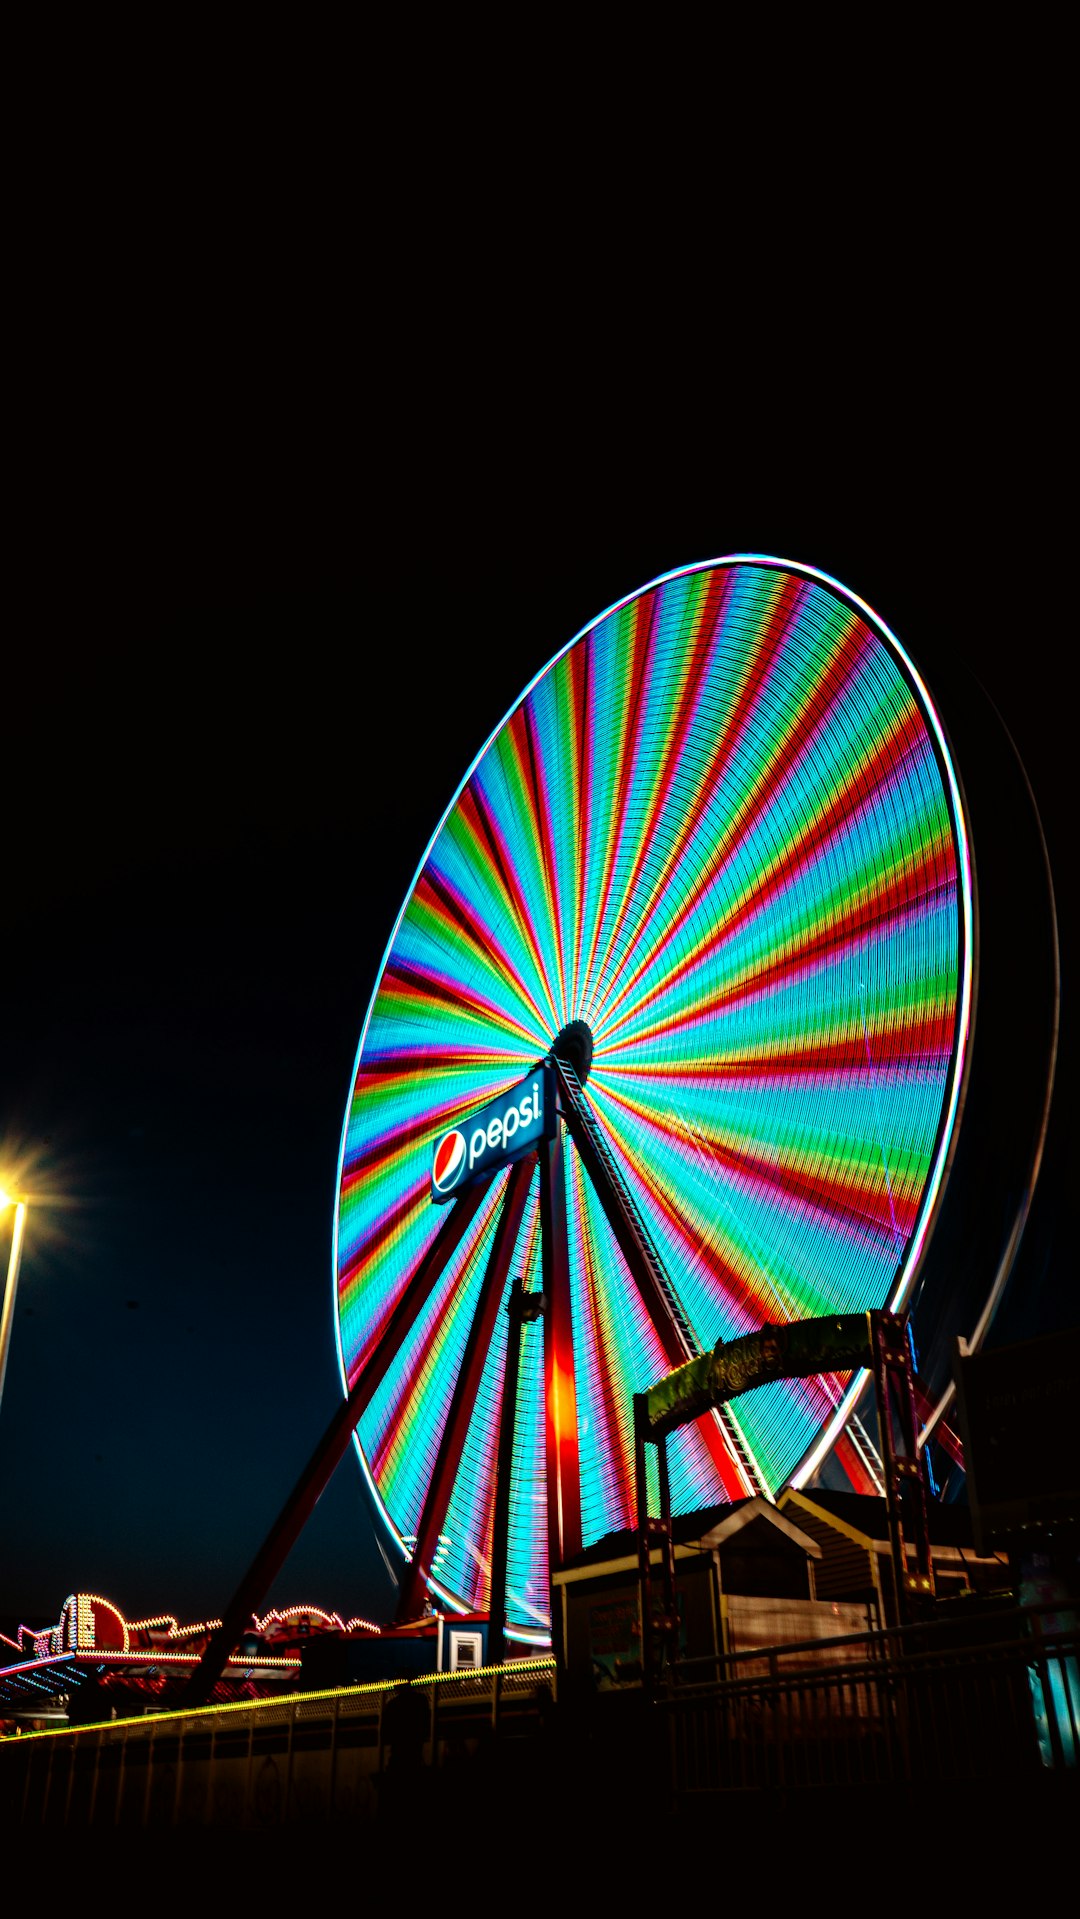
(77,1631)
(531,1668)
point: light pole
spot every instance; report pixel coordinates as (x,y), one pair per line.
(12,1281)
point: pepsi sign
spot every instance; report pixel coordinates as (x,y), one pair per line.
(498,1134)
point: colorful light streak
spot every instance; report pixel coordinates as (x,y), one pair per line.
(722,827)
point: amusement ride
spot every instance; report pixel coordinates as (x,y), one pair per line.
(671,1044)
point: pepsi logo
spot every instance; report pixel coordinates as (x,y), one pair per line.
(449,1162)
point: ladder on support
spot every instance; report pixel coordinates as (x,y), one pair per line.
(639,1250)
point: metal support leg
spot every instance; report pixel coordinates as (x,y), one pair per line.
(905,1469)
(560,1390)
(328,1454)
(463,1401)
(522,1306)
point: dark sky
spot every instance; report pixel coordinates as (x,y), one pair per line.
(279,565)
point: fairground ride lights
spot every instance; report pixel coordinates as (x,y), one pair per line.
(77,1630)
(331,1621)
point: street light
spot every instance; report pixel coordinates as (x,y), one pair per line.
(14,1257)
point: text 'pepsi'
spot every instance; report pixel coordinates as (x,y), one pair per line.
(502,1131)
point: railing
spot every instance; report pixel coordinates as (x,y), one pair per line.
(980,1705)
(317,1759)
(989,1699)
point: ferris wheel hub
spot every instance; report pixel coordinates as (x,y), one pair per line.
(574,1045)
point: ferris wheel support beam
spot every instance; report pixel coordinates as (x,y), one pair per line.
(316,1476)
(560,1389)
(462,1405)
(905,1464)
(523,1306)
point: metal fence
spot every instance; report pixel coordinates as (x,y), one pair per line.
(349,1756)
(992,1700)
(959,1703)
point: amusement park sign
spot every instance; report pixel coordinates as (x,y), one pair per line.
(499,1133)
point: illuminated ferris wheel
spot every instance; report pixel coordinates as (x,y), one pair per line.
(708,887)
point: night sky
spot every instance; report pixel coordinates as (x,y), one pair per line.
(275,580)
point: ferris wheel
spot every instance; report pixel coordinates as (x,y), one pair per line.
(709,881)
